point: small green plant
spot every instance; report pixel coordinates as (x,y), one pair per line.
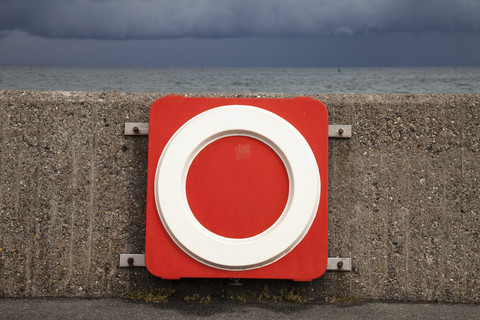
(199,298)
(242,297)
(292,296)
(265,294)
(350,298)
(155,295)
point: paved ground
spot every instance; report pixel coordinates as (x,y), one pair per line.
(119,309)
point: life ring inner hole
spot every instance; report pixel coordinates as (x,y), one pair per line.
(237,186)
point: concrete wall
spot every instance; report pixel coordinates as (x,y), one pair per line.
(404,197)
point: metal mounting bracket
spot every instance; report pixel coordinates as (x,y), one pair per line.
(136,128)
(334,130)
(132,260)
(128,260)
(339,264)
(339,131)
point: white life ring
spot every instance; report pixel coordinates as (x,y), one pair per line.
(231,253)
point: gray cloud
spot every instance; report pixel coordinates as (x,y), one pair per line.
(152,19)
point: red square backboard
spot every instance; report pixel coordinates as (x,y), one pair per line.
(237,188)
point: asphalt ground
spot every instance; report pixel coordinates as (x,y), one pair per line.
(118,309)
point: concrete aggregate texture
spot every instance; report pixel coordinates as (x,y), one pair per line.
(404,198)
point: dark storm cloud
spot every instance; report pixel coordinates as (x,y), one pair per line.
(151,19)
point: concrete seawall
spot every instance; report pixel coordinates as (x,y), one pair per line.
(404,197)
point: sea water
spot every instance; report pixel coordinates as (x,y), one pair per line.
(268,80)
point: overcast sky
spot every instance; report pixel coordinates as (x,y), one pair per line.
(309,33)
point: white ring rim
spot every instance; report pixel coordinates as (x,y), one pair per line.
(233,253)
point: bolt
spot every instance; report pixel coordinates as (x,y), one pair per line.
(130,261)
(340,131)
(135,129)
(339,264)
(235,282)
